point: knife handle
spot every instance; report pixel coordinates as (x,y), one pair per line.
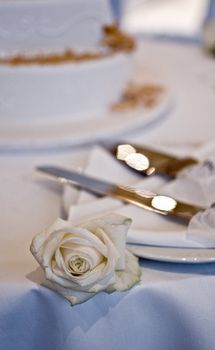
(173,167)
(148,162)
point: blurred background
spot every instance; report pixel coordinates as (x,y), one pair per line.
(168,18)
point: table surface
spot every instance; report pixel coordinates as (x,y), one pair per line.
(173,307)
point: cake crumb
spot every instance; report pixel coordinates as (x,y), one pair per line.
(137,95)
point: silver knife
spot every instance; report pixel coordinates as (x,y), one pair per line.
(160,204)
(148,161)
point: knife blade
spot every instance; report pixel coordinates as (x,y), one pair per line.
(148,161)
(148,200)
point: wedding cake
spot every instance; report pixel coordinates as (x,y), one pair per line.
(60,60)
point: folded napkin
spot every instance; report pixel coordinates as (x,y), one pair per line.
(202,227)
(147,227)
(194,184)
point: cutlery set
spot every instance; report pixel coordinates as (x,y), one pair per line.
(143,160)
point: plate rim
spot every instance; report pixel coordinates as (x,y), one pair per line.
(143,251)
(132,121)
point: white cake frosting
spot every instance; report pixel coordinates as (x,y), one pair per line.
(35,92)
(48,25)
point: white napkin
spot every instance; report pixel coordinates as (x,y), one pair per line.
(202,227)
(178,17)
(147,227)
(194,184)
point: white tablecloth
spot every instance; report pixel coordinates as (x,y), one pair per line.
(173,307)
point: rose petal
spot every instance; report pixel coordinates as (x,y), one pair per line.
(73,296)
(116,227)
(130,276)
(37,244)
(78,234)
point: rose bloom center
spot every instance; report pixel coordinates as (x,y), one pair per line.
(78,266)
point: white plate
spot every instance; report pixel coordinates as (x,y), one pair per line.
(175,255)
(15,137)
(63,133)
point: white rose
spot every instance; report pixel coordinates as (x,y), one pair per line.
(80,261)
